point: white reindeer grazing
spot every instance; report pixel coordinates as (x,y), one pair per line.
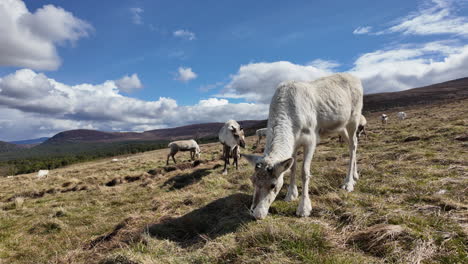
(301,112)
(261,133)
(231,135)
(401,115)
(384,118)
(41,174)
(183,145)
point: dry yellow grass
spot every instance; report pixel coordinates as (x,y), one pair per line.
(134,211)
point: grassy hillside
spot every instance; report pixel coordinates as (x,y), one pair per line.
(52,156)
(6,147)
(410,205)
(56,153)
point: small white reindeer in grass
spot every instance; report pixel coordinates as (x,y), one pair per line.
(401,115)
(301,112)
(384,119)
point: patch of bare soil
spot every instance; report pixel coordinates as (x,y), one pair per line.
(66,187)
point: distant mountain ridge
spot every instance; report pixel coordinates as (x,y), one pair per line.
(190,131)
(29,141)
(6,147)
(451,90)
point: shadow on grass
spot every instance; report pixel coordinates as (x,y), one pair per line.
(183,180)
(220,217)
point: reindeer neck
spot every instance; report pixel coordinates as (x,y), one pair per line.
(280,142)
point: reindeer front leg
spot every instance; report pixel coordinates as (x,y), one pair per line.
(292,189)
(305,206)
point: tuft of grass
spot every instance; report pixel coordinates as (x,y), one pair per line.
(47,227)
(18,201)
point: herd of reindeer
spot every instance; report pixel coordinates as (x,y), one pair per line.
(300,114)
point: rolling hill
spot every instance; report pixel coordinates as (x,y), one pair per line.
(30,141)
(6,147)
(446,91)
(183,132)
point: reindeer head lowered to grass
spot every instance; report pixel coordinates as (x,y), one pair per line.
(267,180)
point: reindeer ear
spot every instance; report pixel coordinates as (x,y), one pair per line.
(284,165)
(252,159)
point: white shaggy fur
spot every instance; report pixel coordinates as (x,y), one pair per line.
(261,133)
(401,115)
(300,113)
(42,174)
(384,118)
(231,135)
(183,145)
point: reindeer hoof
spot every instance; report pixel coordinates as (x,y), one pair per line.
(291,195)
(304,208)
(356,176)
(225,172)
(348,187)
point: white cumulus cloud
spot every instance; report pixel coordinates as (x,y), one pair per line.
(327,65)
(397,68)
(136,15)
(185,74)
(257,82)
(30,39)
(33,105)
(185,34)
(412,65)
(129,83)
(213,102)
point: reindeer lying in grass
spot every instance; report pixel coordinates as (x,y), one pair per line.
(301,112)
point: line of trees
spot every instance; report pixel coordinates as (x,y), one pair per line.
(52,156)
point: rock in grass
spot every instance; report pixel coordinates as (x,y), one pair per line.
(411,138)
(155,171)
(113,182)
(462,138)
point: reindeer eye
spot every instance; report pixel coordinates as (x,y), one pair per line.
(272,186)
(269,169)
(258,166)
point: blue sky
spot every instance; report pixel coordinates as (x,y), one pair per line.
(140,65)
